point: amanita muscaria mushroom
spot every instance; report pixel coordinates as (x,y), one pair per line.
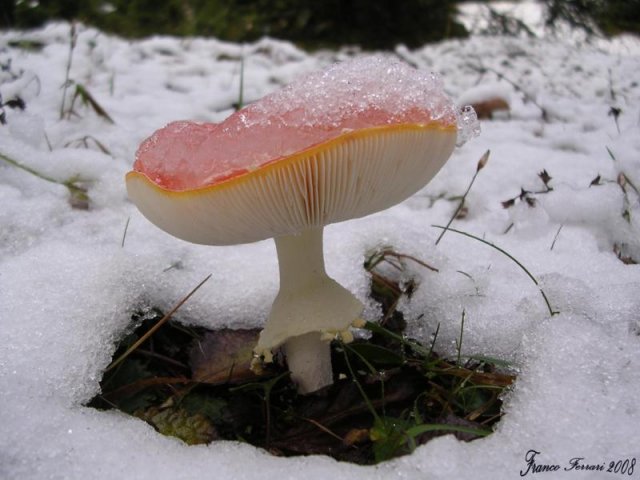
(354,139)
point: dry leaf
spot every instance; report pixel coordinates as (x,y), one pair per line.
(487,108)
(224,356)
(356,436)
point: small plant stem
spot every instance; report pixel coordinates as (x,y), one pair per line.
(400,256)
(72,46)
(433,342)
(533,279)
(30,170)
(372,370)
(416,347)
(143,383)
(360,389)
(623,181)
(459,343)
(631,184)
(611,155)
(153,329)
(323,428)
(612,92)
(124,234)
(266,388)
(390,312)
(481,163)
(82,94)
(163,358)
(78,194)
(267,414)
(46,138)
(241,93)
(419,429)
(555,238)
(70,184)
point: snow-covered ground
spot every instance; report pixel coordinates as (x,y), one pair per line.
(68,283)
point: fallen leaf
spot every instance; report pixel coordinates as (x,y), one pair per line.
(356,436)
(191,429)
(224,356)
(487,108)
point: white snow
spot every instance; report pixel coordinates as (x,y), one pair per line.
(68,286)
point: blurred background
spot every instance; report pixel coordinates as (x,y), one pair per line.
(314,24)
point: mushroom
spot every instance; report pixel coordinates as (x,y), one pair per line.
(352,140)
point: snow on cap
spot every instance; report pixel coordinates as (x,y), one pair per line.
(342,143)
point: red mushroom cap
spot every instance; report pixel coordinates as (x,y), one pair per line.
(343,143)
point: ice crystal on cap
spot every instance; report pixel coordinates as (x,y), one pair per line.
(367,92)
(468,125)
(364,92)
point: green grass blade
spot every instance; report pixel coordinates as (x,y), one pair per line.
(366,399)
(434,427)
(507,254)
(30,170)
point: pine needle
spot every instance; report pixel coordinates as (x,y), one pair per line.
(153,329)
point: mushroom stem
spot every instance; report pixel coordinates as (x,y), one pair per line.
(309,310)
(301,259)
(309,360)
